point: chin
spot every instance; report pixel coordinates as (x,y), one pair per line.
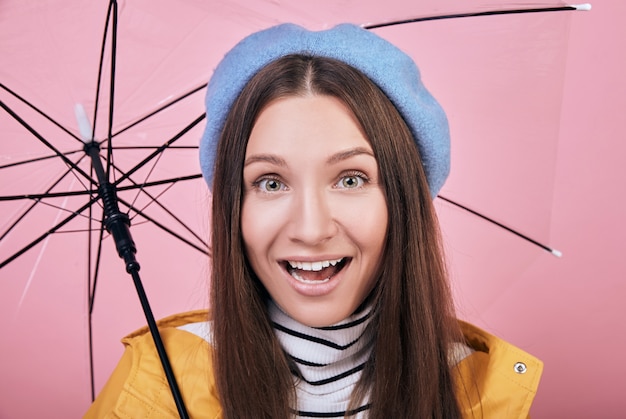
(318,316)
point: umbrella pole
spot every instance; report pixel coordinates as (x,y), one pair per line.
(117,224)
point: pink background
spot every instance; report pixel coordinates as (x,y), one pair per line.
(570,312)
(567,311)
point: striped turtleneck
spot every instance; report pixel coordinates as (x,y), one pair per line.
(329,361)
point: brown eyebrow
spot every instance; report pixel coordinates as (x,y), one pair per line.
(268,158)
(335,158)
(346,154)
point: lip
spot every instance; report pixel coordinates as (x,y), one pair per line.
(314,290)
(313,258)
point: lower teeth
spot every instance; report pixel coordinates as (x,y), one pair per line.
(306,281)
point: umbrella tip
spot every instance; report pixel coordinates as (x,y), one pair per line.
(556,253)
(84,126)
(584,6)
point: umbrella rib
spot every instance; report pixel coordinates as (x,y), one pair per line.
(162,108)
(154,200)
(89,317)
(60,209)
(40,112)
(47,233)
(49,194)
(100,67)
(46,142)
(21,217)
(162,227)
(509,229)
(77,230)
(112,88)
(44,195)
(36,159)
(93,286)
(472,14)
(152,147)
(31,207)
(159,182)
(156,161)
(88,192)
(160,149)
(89,299)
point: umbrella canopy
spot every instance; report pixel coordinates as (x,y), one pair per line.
(499,78)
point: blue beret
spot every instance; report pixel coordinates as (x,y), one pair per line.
(393,71)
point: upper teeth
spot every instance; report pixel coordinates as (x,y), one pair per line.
(313,266)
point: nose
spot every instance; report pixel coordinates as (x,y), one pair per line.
(312,220)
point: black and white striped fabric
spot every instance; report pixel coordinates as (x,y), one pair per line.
(330,361)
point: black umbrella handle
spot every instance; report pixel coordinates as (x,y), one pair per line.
(158,342)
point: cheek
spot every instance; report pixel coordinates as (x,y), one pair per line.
(366,222)
(374,234)
(260,223)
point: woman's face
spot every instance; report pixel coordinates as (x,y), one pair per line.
(314,216)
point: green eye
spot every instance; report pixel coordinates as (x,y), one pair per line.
(351,182)
(270,185)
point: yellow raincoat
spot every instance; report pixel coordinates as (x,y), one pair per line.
(497,380)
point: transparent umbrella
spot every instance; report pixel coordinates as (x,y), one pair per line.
(132,75)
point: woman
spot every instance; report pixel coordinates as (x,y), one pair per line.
(329,292)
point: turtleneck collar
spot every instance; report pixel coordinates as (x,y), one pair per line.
(329,359)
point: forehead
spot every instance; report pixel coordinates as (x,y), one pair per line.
(306,123)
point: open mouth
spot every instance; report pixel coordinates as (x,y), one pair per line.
(317,272)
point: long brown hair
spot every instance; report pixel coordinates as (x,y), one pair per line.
(408,375)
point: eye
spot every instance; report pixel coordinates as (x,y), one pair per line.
(352,181)
(269,185)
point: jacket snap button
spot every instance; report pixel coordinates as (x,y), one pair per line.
(520,367)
